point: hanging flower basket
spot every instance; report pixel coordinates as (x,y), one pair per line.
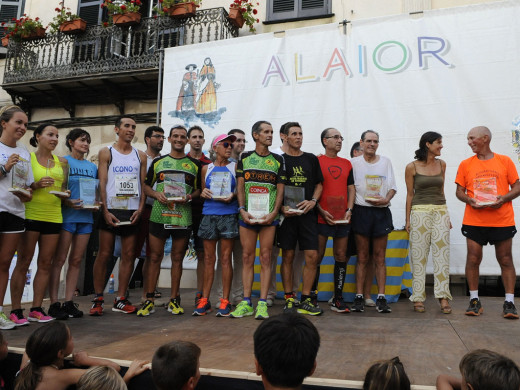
(38,33)
(128,19)
(5,41)
(183,10)
(235,17)
(73,27)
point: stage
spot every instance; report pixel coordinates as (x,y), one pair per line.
(427,343)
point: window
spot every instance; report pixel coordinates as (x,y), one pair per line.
(281,10)
(10,9)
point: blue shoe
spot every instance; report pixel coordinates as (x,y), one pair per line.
(224,308)
(203,307)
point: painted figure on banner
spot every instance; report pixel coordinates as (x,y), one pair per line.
(208,95)
(188,91)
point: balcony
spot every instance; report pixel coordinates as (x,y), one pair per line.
(104,65)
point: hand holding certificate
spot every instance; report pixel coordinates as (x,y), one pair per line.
(258,204)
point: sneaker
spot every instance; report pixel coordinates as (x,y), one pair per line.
(358,305)
(314,298)
(6,323)
(261,311)
(243,309)
(203,307)
(57,312)
(382,306)
(146,309)
(198,295)
(37,314)
(123,306)
(339,306)
(270,302)
(71,309)
(290,306)
(475,308)
(307,307)
(224,308)
(18,318)
(174,306)
(97,307)
(369,302)
(510,310)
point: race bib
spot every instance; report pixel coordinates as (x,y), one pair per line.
(126,185)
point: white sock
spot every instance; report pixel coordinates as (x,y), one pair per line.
(1,308)
(380,296)
(509,298)
(473,294)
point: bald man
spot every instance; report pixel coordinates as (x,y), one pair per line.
(487,182)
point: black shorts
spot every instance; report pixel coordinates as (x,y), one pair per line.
(10,223)
(302,229)
(42,227)
(158,230)
(483,234)
(372,221)
(351,245)
(123,230)
(334,231)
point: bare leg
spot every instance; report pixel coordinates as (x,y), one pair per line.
(126,265)
(57,263)
(106,249)
(309,272)
(154,263)
(266,238)
(8,244)
(505,259)
(26,247)
(287,269)
(46,250)
(473,260)
(79,246)
(179,246)
(248,240)
(362,244)
(379,256)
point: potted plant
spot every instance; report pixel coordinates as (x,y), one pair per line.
(243,11)
(177,8)
(66,22)
(122,13)
(24,28)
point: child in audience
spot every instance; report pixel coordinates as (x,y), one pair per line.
(107,378)
(175,366)
(387,375)
(42,363)
(483,370)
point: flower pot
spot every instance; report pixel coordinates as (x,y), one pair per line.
(236,18)
(39,33)
(73,27)
(183,10)
(128,19)
(5,41)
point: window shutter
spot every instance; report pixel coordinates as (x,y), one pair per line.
(283,9)
(313,8)
(10,9)
(90,11)
(292,9)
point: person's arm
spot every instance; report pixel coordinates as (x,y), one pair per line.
(462,195)
(81,359)
(512,194)
(104,158)
(277,204)
(351,197)
(409,178)
(241,196)
(308,205)
(206,192)
(142,200)
(446,382)
(136,368)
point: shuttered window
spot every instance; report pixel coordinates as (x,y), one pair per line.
(10,9)
(90,11)
(294,9)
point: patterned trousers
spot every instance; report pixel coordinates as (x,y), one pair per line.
(430,228)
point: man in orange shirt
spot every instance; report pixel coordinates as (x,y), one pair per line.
(488,182)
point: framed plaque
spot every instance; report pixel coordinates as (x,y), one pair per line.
(220,185)
(258,204)
(174,186)
(89,193)
(336,208)
(292,196)
(59,172)
(485,190)
(20,173)
(374,187)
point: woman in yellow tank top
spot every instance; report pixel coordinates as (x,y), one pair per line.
(43,224)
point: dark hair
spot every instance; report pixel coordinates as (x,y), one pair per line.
(177,127)
(286,347)
(120,119)
(488,370)
(39,130)
(7,112)
(42,348)
(195,128)
(364,134)
(324,134)
(74,134)
(173,364)
(355,146)
(428,137)
(149,131)
(286,126)
(256,127)
(387,375)
(234,131)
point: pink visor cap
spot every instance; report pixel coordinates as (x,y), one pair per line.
(223,137)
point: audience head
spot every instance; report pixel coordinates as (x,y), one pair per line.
(364,134)
(175,366)
(427,138)
(285,349)
(487,370)
(119,120)
(387,375)
(149,132)
(240,143)
(101,378)
(356,150)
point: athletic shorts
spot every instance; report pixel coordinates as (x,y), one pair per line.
(123,230)
(42,227)
(483,234)
(372,221)
(198,244)
(158,230)
(302,229)
(10,223)
(334,231)
(214,227)
(77,227)
(255,227)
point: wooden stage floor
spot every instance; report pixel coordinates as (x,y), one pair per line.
(428,343)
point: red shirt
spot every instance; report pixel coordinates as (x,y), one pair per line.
(337,175)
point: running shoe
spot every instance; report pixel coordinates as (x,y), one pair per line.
(146,309)
(261,311)
(6,323)
(174,306)
(382,305)
(97,306)
(510,310)
(57,312)
(314,298)
(71,309)
(203,307)
(339,306)
(224,308)
(18,318)
(198,295)
(369,302)
(307,307)
(36,314)
(243,309)
(359,304)
(123,306)
(290,306)
(474,308)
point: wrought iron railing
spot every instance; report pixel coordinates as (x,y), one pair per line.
(102,50)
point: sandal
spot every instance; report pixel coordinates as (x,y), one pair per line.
(445,305)
(419,307)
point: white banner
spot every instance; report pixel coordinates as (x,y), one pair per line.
(447,71)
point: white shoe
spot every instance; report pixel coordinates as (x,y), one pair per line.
(369,302)
(331,299)
(6,323)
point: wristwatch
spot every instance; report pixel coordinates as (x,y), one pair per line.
(315,200)
(349,209)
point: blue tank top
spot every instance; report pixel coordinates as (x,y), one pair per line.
(217,207)
(78,169)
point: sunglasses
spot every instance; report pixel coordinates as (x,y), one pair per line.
(226,144)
